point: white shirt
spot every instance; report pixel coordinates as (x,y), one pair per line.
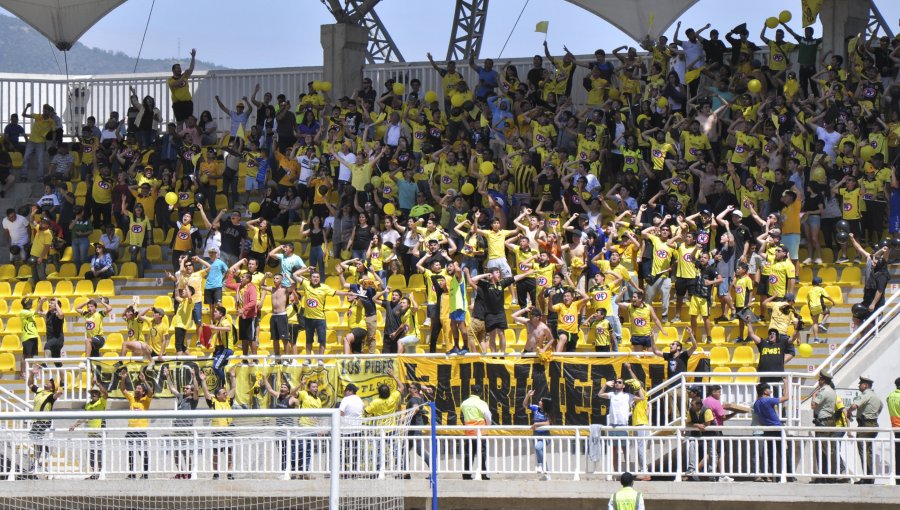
(50,199)
(619,409)
(18,230)
(306,168)
(692,51)
(831,140)
(392,136)
(213,241)
(352,409)
(344,172)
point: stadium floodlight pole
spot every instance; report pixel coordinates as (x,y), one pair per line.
(434,457)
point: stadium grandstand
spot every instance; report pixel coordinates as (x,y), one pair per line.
(658,264)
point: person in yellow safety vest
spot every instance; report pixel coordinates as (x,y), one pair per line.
(475,413)
(893,405)
(626,498)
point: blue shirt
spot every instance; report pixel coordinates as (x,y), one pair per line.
(288,266)
(406,193)
(538,416)
(764,407)
(487,82)
(12,132)
(216,275)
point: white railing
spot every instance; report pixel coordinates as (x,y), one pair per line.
(73,375)
(668,402)
(12,403)
(97,95)
(261,450)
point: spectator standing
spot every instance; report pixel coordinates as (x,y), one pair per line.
(17,234)
(626,498)
(182,104)
(97,402)
(893,405)
(867,407)
(619,414)
(475,413)
(767,415)
(45,396)
(540,417)
(185,400)
(138,400)
(825,414)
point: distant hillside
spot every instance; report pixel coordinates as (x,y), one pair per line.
(24,50)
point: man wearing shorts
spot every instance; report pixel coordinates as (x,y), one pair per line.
(314,294)
(215,276)
(496,246)
(642,320)
(247,308)
(278,321)
(182,104)
(492,287)
(567,314)
(363,320)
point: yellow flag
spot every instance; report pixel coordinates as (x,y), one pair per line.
(650,19)
(240,132)
(811,10)
(542,26)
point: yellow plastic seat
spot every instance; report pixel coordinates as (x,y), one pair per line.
(22,289)
(13,325)
(293,233)
(64,288)
(11,343)
(332,318)
(745,378)
(719,356)
(278,233)
(743,356)
(417,282)
(127,271)
(43,289)
(221,202)
(718,335)
(94,236)
(4,310)
(333,281)
(396,281)
(81,189)
(511,337)
(83,270)
(113,342)
(66,256)
(668,334)
(106,288)
(800,295)
(806,274)
(835,293)
(5,290)
(7,363)
(24,272)
(7,272)
(84,288)
(851,276)
(164,302)
(720,378)
(228,302)
(827,274)
(154,253)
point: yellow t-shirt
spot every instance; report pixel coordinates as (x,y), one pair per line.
(600,333)
(101,189)
(815,299)
(851,207)
(179,93)
(259,241)
(314,305)
(662,255)
(496,249)
(156,334)
(743,286)
(224,338)
(568,316)
(134,330)
(781,273)
(543,275)
(640,320)
(93,323)
(383,406)
(780,321)
(41,240)
(183,315)
(138,405)
(219,405)
(685,267)
(601,299)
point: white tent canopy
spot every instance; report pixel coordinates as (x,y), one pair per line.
(637,18)
(61,21)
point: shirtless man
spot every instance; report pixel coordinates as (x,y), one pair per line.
(533,231)
(278,321)
(540,339)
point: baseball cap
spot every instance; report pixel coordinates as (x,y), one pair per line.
(738,213)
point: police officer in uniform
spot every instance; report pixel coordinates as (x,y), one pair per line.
(867,407)
(824,399)
(626,498)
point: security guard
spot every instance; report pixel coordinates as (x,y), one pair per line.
(626,498)
(893,405)
(823,405)
(475,413)
(867,408)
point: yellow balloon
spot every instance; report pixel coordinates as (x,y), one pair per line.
(398,89)
(457,100)
(784,16)
(326,86)
(253,207)
(317,85)
(754,85)
(204,179)
(171,198)
(467,188)
(804,350)
(487,168)
(772,22)
(866,152)
(389,208)
(376,181)
(614,94)
(662,102)
(586,195)
(431,96)
(818,175)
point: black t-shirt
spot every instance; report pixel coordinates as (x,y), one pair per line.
(420,418)
(676,364)
(231,237)
(715,50)
(362,239)
(555,295)
(493,294)
(771,355)
(54,326)
(391,318)
(708,273)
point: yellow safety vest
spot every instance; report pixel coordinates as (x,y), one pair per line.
(626,498)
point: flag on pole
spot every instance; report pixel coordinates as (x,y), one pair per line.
(810,10)
(240,132)
(650,19)
(542,27)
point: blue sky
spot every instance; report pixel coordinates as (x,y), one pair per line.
(234,34)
